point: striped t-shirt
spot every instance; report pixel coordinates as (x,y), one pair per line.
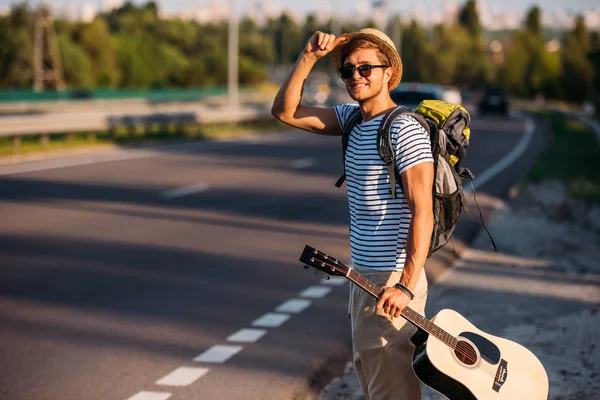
(379,224)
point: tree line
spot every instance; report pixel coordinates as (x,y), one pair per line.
(133,47)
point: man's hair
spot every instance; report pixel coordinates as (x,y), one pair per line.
(363,44)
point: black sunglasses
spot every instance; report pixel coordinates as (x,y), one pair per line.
(364,70)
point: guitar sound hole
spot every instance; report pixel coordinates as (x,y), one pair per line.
(465,352)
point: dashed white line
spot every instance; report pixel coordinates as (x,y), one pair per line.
(316,292)
(184,191)
(150,396)
(182,376)
(271,320)
(304,163)
(293,306)
(218,354)
(247,335)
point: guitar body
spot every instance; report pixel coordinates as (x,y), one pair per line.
(485,367)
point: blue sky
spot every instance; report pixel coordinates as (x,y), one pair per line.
(303,6)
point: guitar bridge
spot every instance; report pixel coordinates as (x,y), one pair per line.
(501,375)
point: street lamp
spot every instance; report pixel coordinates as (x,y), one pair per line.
(232,59)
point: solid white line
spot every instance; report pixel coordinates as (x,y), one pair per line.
(316,292)
(491,172)
(247,335)
(334,280)
(150,396)
(271,320)
(218,354)
(184,191)
(182,376)
(293,306)
(304,163)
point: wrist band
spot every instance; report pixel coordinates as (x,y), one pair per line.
(405,290)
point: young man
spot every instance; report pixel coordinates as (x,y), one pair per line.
(389,237)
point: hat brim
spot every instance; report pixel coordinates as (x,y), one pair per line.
(390,52)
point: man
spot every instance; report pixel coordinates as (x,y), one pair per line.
(389,237)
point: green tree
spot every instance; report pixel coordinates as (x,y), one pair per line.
(16,47)
(254,45)
(468,17)
(529,68)
(77,66)
(95,39)
(417,54)
(578,71)
(533,22)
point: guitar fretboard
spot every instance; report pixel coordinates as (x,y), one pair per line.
(409,314)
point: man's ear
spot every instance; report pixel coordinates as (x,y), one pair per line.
(387,74)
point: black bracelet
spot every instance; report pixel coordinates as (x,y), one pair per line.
(405,290)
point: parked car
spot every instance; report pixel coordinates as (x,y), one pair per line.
(411,94)
(493,100)
(452,94)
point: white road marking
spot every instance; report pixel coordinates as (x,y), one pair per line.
(334,280)
(304,163)
(316,292)
(150,396)
(491,172)
(218,354)
(182,376)
(75,161)
(293,306)
(184,191)
(128,154)
(271,320)
(247,335)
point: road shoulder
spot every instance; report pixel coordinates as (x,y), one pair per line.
(542,290)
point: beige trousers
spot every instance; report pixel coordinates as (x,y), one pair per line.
(381,344)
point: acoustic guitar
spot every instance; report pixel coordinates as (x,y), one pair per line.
(452,356)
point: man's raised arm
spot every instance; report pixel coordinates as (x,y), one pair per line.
(287,107)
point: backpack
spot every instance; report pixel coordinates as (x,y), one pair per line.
(448,128)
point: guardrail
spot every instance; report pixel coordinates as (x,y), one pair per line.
(46,125)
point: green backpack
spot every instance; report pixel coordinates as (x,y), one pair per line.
(448,127)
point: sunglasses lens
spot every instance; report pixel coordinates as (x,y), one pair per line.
(364,70)
(346,72)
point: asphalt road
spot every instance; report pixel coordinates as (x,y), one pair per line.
(172,273)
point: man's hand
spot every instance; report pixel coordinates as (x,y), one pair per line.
(320,44)
(393,301)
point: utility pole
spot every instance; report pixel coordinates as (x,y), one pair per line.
(336,27)
(397,32)
(47,68)
(233,53)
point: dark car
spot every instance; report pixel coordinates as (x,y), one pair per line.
(412,94)
(493,100)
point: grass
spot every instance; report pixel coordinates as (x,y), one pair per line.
(139,136)
(573,157)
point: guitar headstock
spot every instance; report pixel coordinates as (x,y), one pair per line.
(321,261)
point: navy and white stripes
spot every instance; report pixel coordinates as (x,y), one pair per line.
(379,224)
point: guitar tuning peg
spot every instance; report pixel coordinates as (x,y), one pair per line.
(306,267)
(327,277)
(316,272)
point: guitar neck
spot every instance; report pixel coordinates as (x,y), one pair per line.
(408,313)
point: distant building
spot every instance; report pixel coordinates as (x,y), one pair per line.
(87,11)
(108,5)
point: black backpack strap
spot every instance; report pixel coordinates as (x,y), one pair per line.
(385,147)
(355,118)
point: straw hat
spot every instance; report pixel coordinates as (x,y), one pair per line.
(385,44)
